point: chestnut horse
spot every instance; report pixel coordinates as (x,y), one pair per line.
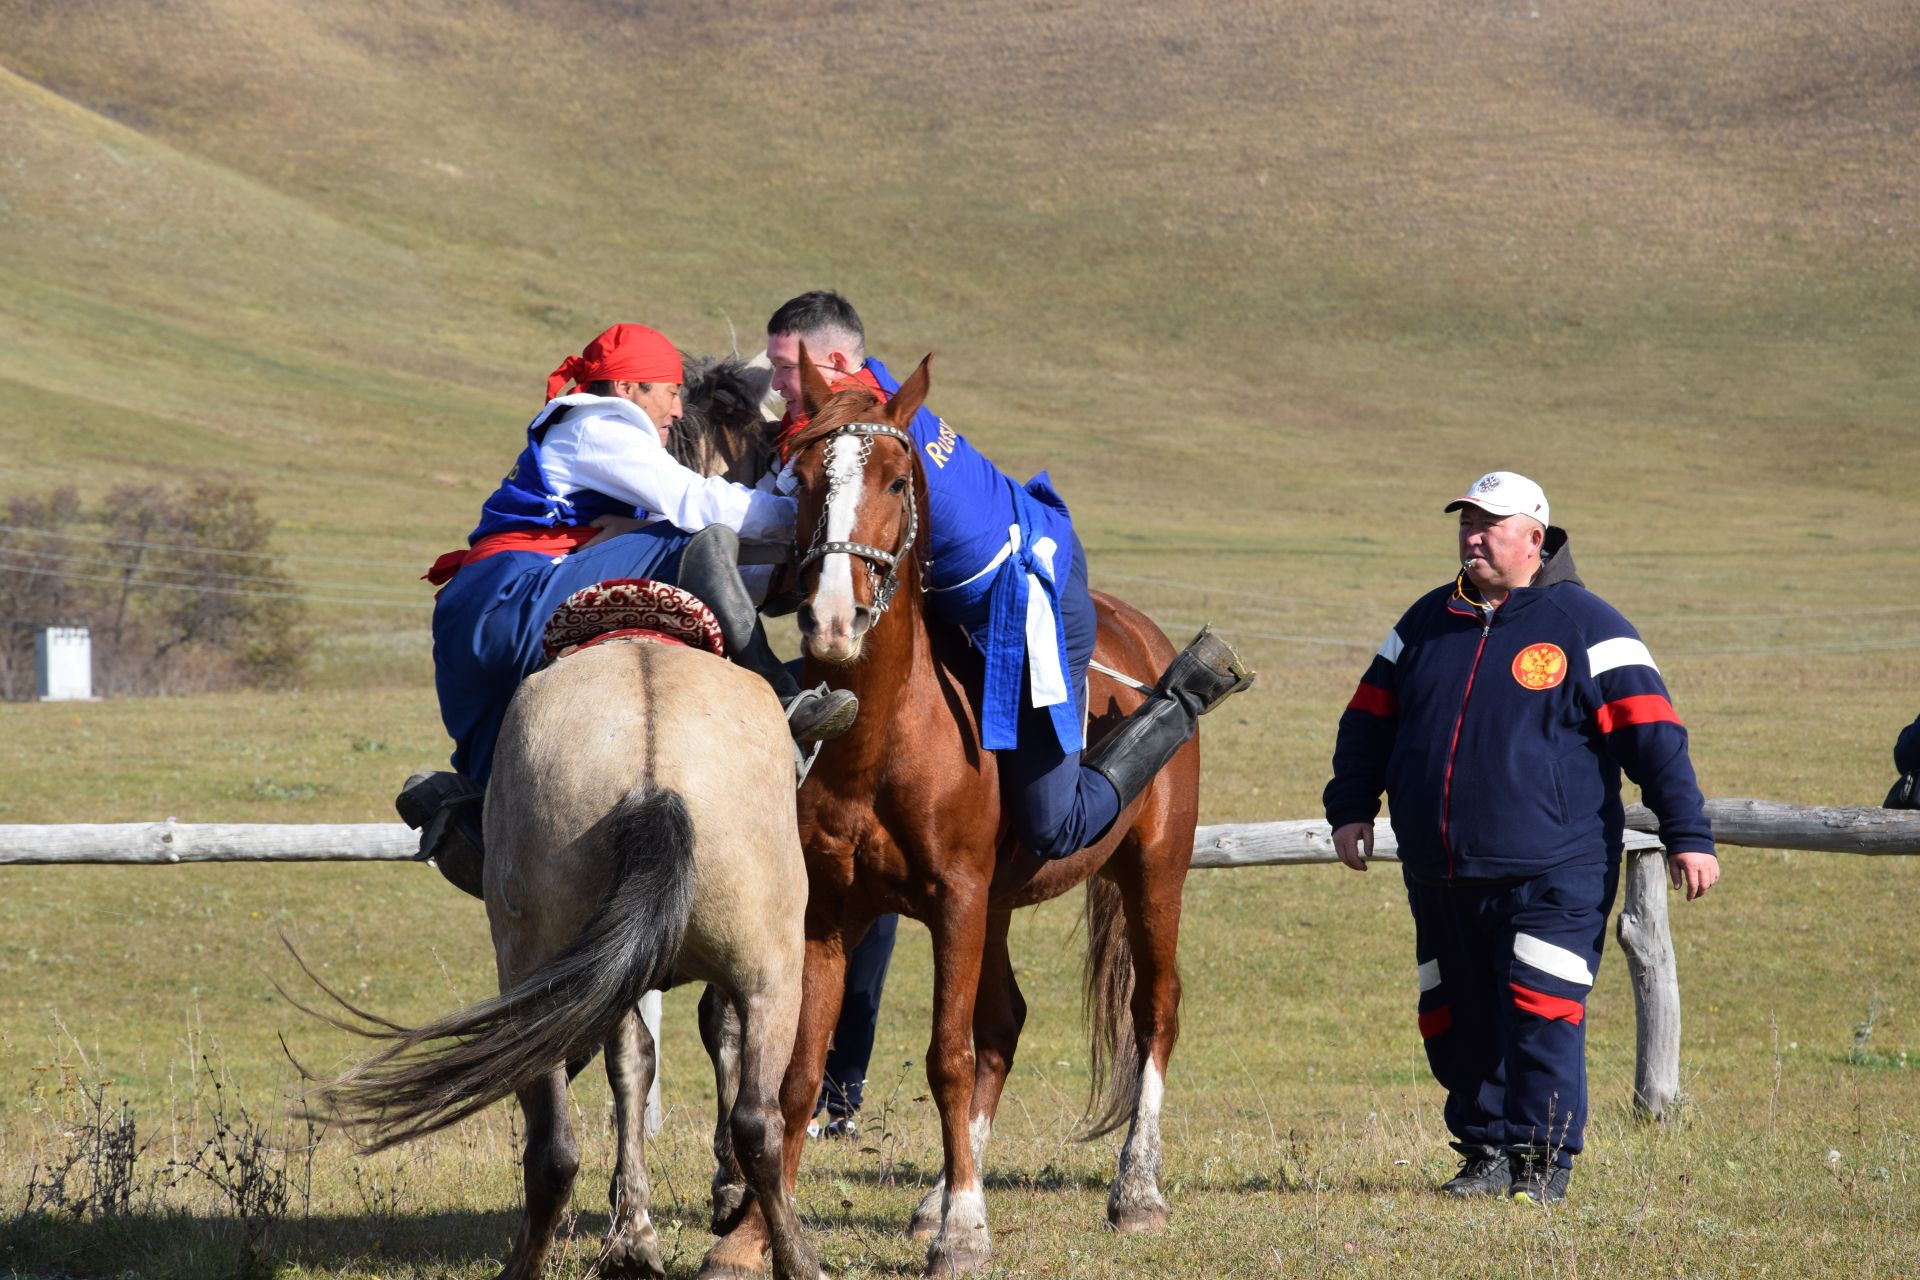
(903,815)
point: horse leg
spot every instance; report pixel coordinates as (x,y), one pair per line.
(632,1248)
(1152,906)
(959,936)
(760,1131)
(999,1013)
(720,1032)
(552,1158)
(823,986)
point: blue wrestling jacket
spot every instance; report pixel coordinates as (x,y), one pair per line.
(997,548)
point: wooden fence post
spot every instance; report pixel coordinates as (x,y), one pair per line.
(1656,984)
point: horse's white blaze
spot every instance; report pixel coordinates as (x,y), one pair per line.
(833,596)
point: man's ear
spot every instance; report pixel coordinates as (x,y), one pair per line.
(814,390)
(912,394)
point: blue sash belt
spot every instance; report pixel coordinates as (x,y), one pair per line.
(1022,625)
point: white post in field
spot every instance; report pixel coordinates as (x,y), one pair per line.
(63,664)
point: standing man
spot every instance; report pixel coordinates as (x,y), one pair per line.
(1497,717)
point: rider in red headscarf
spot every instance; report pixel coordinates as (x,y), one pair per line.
(594,453)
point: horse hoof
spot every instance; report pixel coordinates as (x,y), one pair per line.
(1138,1218)
(730,1202)
(631,1259)
(923,1228)
(1144,1210)
(958,1257)
(731,1259)
(726,1271)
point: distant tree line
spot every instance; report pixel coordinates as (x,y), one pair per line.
(176,586)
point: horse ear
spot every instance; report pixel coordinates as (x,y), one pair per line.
(814,390)
(912,393)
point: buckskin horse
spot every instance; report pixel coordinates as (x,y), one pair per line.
(640,832)
(902,815)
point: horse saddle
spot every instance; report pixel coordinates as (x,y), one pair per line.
(635,607)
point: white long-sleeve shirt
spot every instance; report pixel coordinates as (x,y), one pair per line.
(614,448)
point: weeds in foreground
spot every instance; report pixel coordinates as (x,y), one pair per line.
(92,1172)
(94,1176)
(256,1176)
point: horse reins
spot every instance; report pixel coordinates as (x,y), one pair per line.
(875,557)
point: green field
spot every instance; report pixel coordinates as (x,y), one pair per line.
(1263,285)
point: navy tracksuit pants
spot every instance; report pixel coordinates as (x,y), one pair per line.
(1059,806)
(844,1088)
(1505,968)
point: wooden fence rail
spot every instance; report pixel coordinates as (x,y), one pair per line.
(1642,926)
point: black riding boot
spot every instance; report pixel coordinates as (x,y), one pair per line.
(1204,674)
(710,568)
(445,809)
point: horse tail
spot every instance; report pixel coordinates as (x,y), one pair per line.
(1107,1001)
(561,1012)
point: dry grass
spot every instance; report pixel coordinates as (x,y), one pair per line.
(1261,285)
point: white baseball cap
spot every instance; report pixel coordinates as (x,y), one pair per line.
(1504,493)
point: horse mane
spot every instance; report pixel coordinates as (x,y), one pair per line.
(720,415)
(842,407)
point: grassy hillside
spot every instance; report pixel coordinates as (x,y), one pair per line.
(1262,284)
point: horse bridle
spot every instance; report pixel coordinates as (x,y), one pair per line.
(877,559)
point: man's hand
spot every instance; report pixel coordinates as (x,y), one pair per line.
(1354,843)
(612,526)
(1696,871)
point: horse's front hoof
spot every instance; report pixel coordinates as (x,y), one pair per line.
(949,1257)
(631,1258)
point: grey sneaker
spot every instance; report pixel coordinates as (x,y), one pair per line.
(1483,1172)
(1536,1180)
(815,715)
(845,1128)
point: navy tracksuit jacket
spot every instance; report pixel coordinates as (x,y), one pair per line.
(1499,737)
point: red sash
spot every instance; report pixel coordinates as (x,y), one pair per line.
(548,542)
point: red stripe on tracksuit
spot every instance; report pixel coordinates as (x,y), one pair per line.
(1373,700)
(1434,1021)
(1641,708)
(1553,1008)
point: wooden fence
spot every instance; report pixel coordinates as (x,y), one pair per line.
(1642,926)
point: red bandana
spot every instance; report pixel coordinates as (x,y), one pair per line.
(791,424)
(628,351)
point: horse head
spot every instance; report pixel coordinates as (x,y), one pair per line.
(722,431)
(861,507)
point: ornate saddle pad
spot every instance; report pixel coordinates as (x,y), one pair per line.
(631,607)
